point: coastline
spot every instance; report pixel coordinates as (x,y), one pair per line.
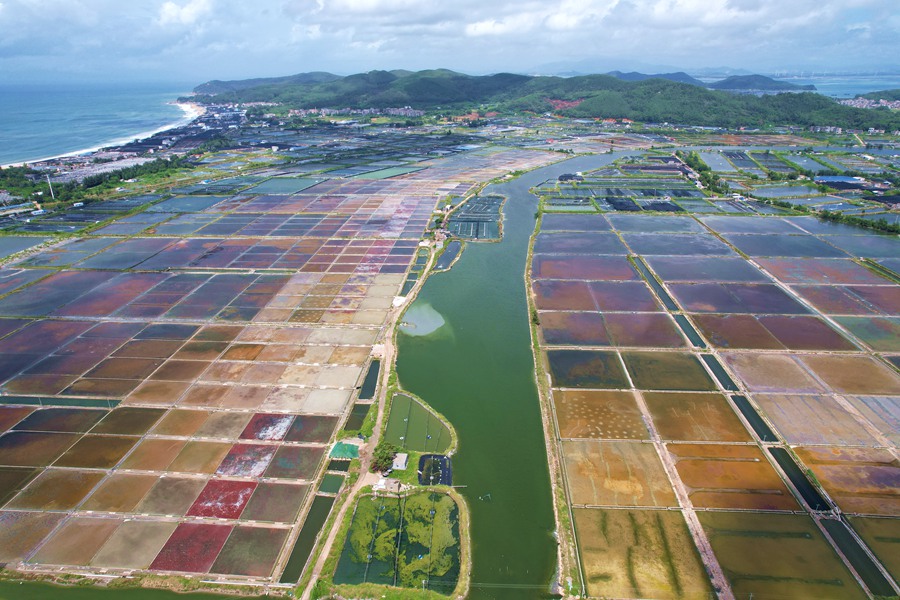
(192,111)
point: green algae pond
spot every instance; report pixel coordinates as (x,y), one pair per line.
(477,369)
(403,541)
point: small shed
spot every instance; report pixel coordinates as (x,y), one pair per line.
(401,461)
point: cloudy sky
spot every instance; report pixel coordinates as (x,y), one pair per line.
(198,40)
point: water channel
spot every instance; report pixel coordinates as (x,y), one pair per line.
(478,371)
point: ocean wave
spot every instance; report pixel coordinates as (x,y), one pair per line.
(36,127)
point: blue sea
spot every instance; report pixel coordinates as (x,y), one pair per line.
(42,121)
(848,86)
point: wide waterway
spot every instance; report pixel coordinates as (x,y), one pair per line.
(477,370)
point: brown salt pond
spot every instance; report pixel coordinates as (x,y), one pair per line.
(56,489)
(730,476)
(76,542)
(860,480)
(853,374)
(777,556)
(667,371)
(616,474)
(120,492)
(695,417)
(598,414)
(639,554)
(134,544)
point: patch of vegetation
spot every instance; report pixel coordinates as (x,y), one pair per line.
(214,144)
(155,167)
(371,590)
(668,558)
(383,456)
(787,205)
(28,183)
(880,270)
(140,581)
(883,95)
(178,584)
(708,178)
(368,426)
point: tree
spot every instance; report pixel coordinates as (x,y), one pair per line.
(383,457)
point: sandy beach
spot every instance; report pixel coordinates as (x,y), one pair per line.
(192,110)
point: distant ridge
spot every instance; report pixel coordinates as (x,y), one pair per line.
(758,82)
(650,100)
(218,87)
(680,77)
(733,83)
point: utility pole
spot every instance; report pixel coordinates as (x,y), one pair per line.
(52,195)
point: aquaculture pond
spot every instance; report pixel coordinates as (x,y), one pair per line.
(411,426)
(407,541)
(476,368)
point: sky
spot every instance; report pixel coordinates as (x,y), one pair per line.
(199,40)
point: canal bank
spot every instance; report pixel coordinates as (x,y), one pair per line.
(37,590)
(477,369)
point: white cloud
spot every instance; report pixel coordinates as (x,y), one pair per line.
(314,32)
(578,14)
(172,13)
(300,32)
(488,27)
(370,6)
(204,39)
(861,30)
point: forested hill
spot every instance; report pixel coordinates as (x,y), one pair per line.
(883,95)
(588,96)
(221,87)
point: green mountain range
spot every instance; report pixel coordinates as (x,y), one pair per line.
(221,87)
(654,100)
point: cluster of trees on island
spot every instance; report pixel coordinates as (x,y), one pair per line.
(709,179)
